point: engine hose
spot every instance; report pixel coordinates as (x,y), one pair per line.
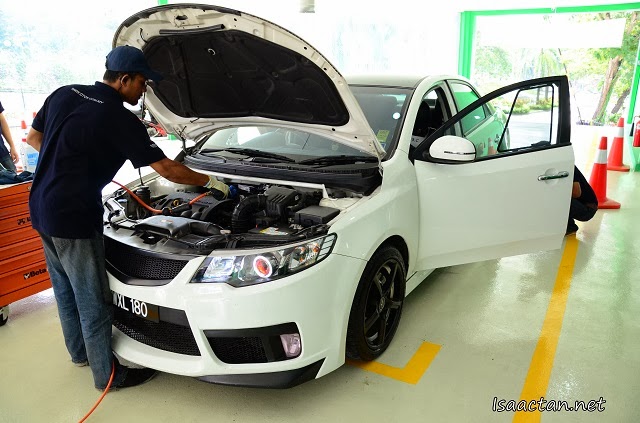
(146,206)
(243,211)
(199,197)
(301,204)
(142,203)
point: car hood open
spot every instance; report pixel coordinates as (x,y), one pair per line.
(223,67)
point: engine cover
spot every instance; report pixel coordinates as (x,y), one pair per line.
(204,209)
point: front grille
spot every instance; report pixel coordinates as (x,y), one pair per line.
(162,335)
(140,264)
(239,350)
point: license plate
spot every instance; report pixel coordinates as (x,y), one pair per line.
(139,308)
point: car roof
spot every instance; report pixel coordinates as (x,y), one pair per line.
(387,80)
(403,81)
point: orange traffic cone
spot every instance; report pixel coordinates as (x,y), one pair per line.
(615,158)
(636,133)
(598,179)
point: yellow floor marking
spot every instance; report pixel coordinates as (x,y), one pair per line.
(411,373)
(537,381)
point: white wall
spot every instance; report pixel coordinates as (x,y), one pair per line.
(397,36)
(369,37)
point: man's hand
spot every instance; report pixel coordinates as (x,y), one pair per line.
(576,190)
(218,189)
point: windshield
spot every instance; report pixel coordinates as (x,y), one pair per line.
(276,141)
(383,107)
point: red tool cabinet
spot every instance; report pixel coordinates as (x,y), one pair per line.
(23,270)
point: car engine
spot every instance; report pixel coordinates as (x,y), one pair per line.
(186,219)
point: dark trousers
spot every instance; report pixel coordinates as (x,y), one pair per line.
(580,211)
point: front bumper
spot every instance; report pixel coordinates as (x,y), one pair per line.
(227,335)
(283,379)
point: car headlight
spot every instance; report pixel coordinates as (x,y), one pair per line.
(264,266)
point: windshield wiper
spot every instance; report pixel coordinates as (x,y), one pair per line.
(250,152)
(338,159)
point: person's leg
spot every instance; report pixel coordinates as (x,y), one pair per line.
(7,163)
(578,211)
(84,262)
(581,212)
(572,228)
(67,309)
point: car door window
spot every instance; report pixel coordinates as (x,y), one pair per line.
(532,117)
(464,95)
(522,117)
(432,113)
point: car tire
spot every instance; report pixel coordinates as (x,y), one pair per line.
(377,305)
(4,315)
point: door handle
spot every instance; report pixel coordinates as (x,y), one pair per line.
(563,174)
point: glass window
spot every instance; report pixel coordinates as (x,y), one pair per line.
(291,143)
(533,117)
(464,96)
(520,119)
(431,114)
(383,107)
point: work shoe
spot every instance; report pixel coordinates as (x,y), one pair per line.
(572,228)
(135,377)
(81,363)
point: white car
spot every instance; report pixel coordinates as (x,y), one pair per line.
(345,195)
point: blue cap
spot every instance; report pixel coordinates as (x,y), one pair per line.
(130,59)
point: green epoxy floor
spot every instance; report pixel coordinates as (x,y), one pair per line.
(486,317)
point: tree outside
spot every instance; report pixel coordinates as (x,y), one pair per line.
(600,75)
(63,42)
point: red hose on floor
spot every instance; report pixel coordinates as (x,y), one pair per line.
(113,370)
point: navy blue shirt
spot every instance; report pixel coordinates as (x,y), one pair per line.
(88,135)
(3,149)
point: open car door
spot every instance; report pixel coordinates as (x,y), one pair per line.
(511,199)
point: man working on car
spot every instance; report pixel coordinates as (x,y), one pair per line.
(84,135)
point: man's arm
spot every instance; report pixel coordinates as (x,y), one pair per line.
(179,173)
(34,139)
(6,133)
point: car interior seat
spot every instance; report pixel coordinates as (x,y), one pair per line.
(423,120)
(437,117)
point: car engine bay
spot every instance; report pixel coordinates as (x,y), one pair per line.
(173,218)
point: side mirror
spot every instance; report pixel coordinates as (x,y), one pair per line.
(449,148)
